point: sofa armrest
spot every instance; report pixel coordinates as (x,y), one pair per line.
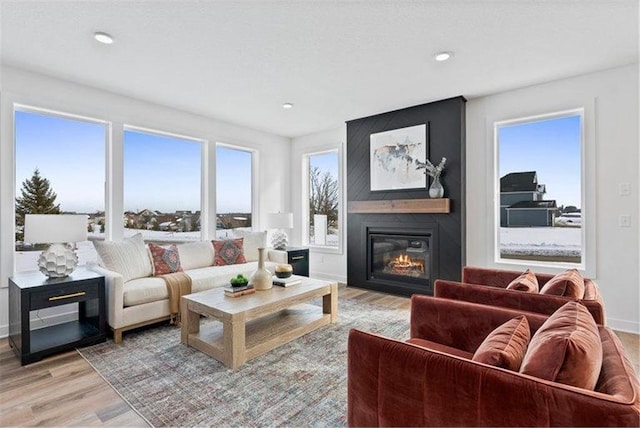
(459,324)
(528,302)
(277,256)
(392,383)
(115,295)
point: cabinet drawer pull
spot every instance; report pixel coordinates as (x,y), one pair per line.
(67,296)
(297,257)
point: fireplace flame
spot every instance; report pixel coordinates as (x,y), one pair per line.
(403,265)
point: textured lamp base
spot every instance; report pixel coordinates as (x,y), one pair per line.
(279,240)
(58,261)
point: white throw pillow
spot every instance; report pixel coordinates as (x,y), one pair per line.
(252,241)
(128,257)
(194,255)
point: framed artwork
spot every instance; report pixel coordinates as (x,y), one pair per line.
(393,156)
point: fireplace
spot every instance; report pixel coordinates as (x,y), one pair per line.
(400,260)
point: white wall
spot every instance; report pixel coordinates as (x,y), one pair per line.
(322,264)
(610,99)
(37,90)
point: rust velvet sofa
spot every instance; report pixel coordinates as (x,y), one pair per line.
(430,380)
(488,286)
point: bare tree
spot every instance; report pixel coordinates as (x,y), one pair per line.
(324,196)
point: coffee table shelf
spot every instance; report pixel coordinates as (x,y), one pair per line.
(251,325)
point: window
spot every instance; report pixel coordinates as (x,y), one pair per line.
(323,218)
(60,169)
(162,186)
(234,189)
(540,189)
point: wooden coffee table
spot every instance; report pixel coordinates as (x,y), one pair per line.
(255,323)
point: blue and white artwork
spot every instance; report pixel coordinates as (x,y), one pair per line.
(393,158)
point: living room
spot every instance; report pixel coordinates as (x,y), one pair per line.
(221,76)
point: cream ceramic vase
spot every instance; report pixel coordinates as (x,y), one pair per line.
(261,278)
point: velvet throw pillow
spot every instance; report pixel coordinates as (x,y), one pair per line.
(505,346)
(165,260)
(568,284)
(526,282)
(566,349)
(228,252)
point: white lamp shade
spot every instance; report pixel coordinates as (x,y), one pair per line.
(55,228)
(280,220)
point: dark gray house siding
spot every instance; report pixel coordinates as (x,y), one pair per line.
(529,217)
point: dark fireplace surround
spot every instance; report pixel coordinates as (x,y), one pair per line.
(401,257)
(404,253)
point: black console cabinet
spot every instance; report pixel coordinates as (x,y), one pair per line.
(298,257)
(31,291)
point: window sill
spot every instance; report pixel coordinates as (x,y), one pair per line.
(325,250)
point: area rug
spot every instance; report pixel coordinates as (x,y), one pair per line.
(302,383)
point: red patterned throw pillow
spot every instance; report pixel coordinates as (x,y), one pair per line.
(165,260)
(229,252)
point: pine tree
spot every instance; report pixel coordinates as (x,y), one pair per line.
(36,197)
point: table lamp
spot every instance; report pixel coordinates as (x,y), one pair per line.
(279,221)
(60,258)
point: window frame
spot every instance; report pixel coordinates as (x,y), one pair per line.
(587,259)
(339,249)
(26,108)
(255,202)
(203,169)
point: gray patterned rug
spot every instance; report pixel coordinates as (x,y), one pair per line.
(302,383)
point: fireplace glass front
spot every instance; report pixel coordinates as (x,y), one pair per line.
(400,257)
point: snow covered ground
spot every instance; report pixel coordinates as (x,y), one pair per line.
(541,241)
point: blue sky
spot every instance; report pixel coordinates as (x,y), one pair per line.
(160,173)
(70,153)
(550,147)
(326,162)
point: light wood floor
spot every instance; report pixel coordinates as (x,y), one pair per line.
(63,390)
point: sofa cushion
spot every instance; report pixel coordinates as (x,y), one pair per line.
(526,282)
(506,345)
(566,348)
(252,241)
(165,260)
(195,255)
(128,257)
(144,290)
(434,346)
(568,283)
(228,252)
(218,276)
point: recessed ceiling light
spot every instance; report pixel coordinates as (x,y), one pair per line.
(442,56)
(287,105)
(103,37)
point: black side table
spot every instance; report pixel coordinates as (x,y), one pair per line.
(31,291)
(298,258)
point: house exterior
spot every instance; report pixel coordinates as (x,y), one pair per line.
(522,201)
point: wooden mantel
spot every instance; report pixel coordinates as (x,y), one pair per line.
(400,206)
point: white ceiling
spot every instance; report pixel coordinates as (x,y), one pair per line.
(238,61)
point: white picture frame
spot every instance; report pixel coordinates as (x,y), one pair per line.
(393,156)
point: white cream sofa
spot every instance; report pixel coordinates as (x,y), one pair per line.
(136,298)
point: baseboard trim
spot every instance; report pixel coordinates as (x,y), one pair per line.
(329,277)
(623,325)
(40,322)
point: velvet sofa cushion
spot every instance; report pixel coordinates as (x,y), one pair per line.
(526,282)
(505,346)
(568,284)
(566,349)
(435,346)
